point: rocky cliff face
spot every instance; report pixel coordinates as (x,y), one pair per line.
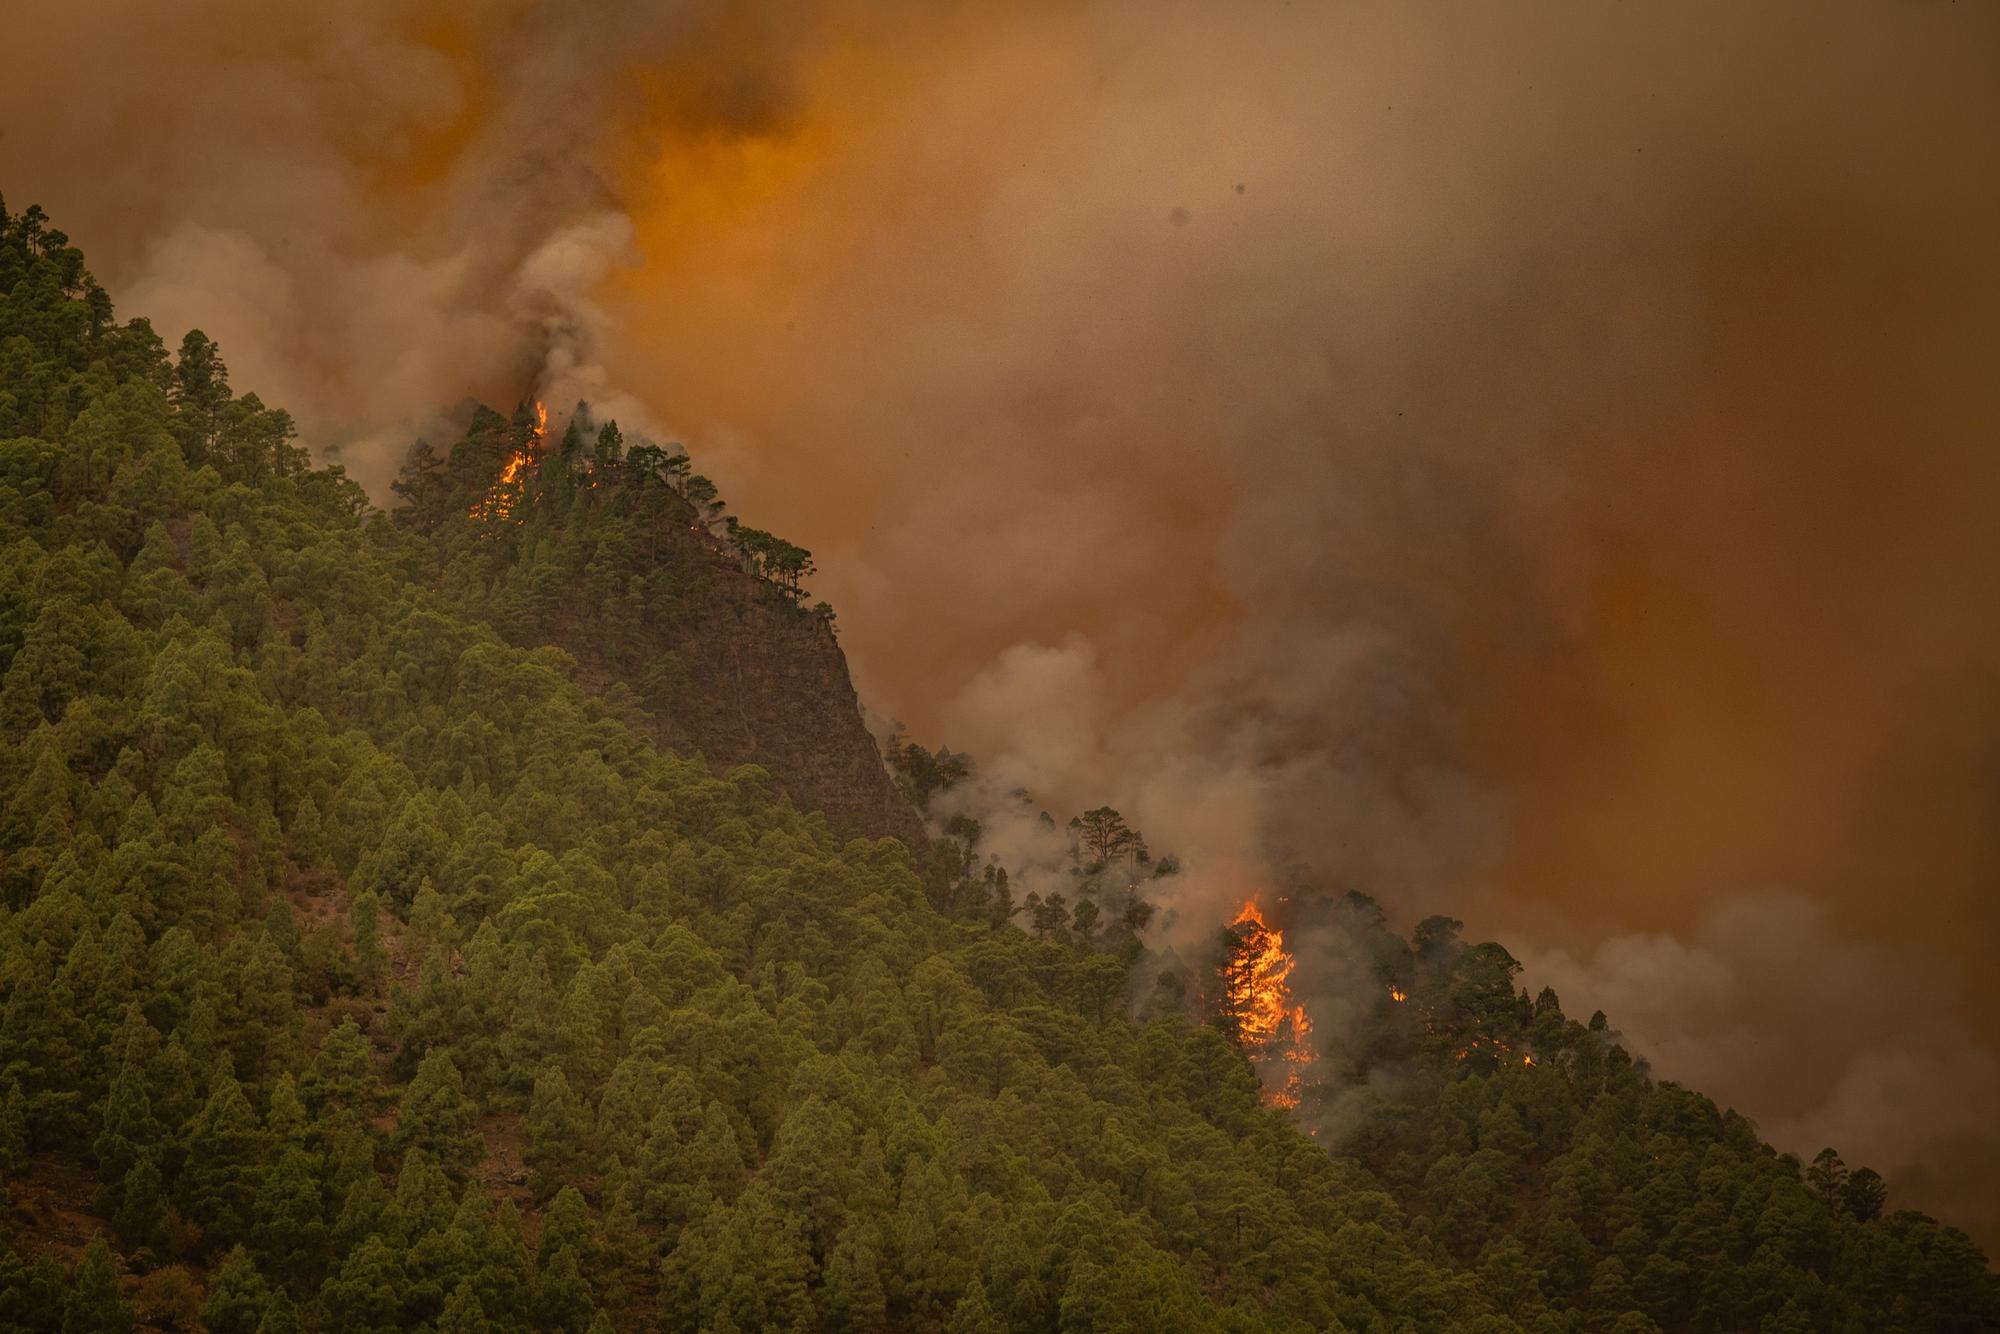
(610,559)
(768,684)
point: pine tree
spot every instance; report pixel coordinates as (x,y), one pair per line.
(225,1150)
(973,1314)
(568,1223)
(13,1128)
(1827,1175)
(370,962)
(432,928)
(610,446)
(563,1299)
(127,1124)
(462,1312)
(32,1296)
(556,1135)
(35,822)
(366,1296)
(716,1156)
(342,1073)
(347,1146)
(237,1295)
(290,1230)
(141,1216)
(281,1316)
(96,1303)
(437,1116)
(1864,1193)
(506,1275)
(265,1013)
(424,1202)
(285,1113)
(629,1252)
(630,1097)
(43,1057)
(305,837)
(852,1297)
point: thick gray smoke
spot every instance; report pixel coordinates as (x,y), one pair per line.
(1532,464)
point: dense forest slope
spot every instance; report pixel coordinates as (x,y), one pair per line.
(368,963)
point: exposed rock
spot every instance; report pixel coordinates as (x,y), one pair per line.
(614,563)
(769,685)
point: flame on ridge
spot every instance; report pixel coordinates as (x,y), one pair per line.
(1269,1023)
(498,502)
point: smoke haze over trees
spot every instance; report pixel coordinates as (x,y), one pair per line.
(1531,465)
(361,970)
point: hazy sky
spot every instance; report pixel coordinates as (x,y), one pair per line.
(1535,462)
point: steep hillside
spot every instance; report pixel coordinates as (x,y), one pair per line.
(622,557)
(364,968)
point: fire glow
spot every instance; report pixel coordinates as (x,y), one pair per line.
(1269,1023)
(498,502)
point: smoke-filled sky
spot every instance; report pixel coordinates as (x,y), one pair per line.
(1533,462)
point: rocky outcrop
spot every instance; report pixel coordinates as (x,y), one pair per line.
(617,562)
(767,684)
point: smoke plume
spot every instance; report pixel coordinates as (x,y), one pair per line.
(1528,464)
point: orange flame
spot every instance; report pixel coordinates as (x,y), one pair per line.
(1268,1022)
(1398,995)
(1259,991)
(498,502)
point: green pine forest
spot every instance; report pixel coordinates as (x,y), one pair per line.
(367,964)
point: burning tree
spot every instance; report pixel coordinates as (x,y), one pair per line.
(1255,1006)
(498,502)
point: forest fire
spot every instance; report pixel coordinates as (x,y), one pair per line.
(498,502)
(1259,997)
